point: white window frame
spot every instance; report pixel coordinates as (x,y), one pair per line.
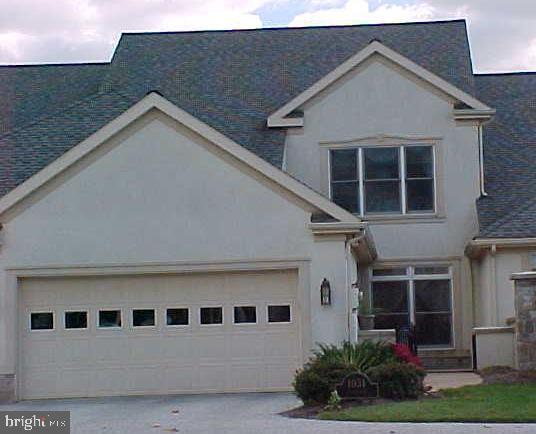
(132,326)
(402,174)
(411,277)
(41,311)
(279,322)
(215,324)
(72,311)
(178,325)
(239,324)
(97,322)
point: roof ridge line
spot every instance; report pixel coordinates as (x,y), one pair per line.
(285,28)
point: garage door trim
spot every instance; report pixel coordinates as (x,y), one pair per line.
(301,266)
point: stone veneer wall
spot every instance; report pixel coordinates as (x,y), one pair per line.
(525,302)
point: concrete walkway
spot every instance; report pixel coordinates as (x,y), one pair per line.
(452,380)
(253,413)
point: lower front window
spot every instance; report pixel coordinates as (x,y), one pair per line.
(415,295)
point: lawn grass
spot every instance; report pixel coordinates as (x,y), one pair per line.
(485,403)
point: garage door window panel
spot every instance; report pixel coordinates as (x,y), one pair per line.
(143,318)
(110,319)
(245,315)
(177,317)
(211,315)
(279,314)
(42,321)
(76,320)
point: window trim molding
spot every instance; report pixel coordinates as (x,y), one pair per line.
(411,277)
(399,142)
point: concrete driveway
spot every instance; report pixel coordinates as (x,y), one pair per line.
(234,414)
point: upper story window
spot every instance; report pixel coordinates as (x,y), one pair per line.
(381,180)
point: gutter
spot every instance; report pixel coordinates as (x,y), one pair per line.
(333,228)
(358,235)
(476,248)
(473,114)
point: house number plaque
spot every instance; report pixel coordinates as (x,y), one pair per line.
(357,386)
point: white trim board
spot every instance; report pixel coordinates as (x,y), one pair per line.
(155,101)
(279,117)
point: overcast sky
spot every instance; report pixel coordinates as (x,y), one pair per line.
(502,32)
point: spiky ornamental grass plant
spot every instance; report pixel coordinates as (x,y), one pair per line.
(330,364)
(356,357)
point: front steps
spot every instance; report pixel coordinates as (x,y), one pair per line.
(446,360)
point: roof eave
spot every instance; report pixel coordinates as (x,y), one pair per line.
(476,248)
(473,114)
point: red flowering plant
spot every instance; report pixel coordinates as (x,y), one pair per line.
(404,354)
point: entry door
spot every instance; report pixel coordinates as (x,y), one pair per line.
(419,295)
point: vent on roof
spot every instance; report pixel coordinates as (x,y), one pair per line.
(461,106)
(154,91)
(295,114)
(322,218)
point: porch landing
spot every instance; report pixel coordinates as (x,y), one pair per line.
(452,380)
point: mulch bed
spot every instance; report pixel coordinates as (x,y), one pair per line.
(493,375)
(312,412)
(507,375)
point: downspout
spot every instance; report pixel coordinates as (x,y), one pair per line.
(481,159)
(493,285)
(352,332)
(347,246)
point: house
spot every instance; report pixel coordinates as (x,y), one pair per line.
(169,218)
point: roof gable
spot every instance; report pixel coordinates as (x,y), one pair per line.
(156,101)
(282,117)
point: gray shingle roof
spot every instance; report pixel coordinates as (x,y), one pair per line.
(232,80)
(509,210)
(26,150)
(27,92)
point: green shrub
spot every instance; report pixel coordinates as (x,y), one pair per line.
(330,364)
(311,387)
(398,380)
(357,357)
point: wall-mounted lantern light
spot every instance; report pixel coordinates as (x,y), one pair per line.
(325,293)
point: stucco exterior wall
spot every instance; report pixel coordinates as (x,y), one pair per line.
(157,193)
(377,99)
(495,347)
(494,289)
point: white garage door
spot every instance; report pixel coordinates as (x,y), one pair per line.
(99,336)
